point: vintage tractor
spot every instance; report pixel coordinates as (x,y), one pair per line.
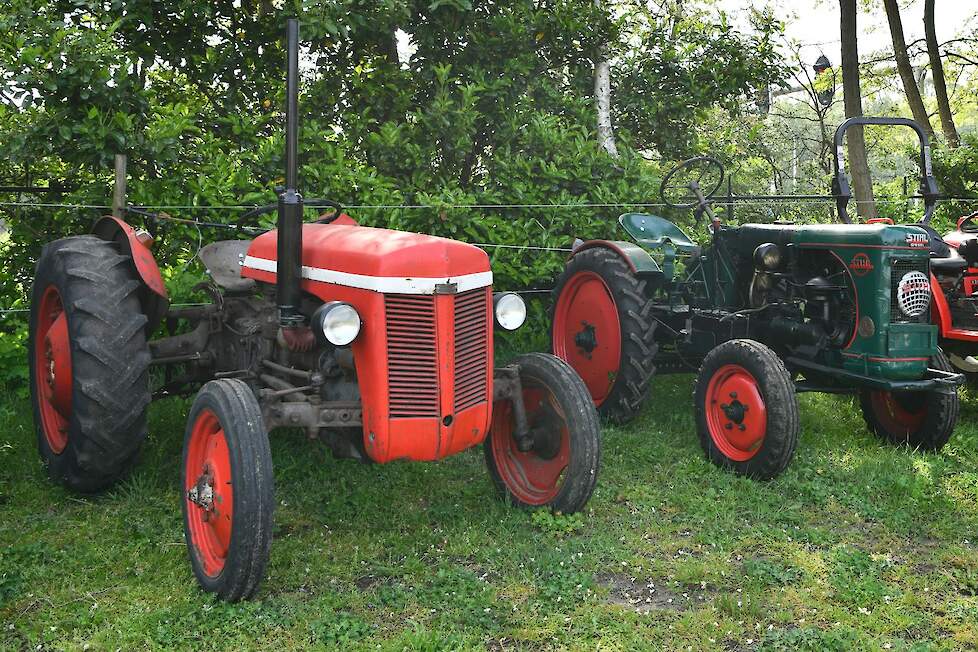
(379,342)
(954,283)
(953,261)
(762,312)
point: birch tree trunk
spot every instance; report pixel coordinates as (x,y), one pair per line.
(862,183)
(904,68)
(937,70)
(602,100)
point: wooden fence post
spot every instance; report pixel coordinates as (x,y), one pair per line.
(119,193)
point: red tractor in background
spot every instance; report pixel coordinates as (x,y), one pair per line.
(377,341)
(954,283)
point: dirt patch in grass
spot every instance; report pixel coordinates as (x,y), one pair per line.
(370,581)
(643,596)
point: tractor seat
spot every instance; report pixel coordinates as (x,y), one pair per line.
(223,260)
(653,232)
(955,263)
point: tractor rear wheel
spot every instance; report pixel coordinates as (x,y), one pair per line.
(88,362)
(923,420)
(228,490)
(601,324)
(560,469)
(746,409)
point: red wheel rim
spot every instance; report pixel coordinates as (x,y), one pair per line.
(735,413)
(534,477)
(209,493)
(899,414)
(587,333)
(52,369)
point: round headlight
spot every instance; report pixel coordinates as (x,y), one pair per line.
(510,310)
(338,322)
(913,293)
(767,256)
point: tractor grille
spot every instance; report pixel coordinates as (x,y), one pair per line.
(412,363)
(898,269)
(471,348)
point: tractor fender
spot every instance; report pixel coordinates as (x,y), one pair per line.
(136,244)
(940,311)
(637,259)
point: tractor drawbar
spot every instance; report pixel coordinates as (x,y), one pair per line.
(289,271)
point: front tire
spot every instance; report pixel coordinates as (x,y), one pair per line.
(228,490)
(602,325)
(88,362)
(746,411)
(922,420)
(561,469)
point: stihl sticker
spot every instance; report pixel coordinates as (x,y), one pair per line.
(861,264)
(917,240)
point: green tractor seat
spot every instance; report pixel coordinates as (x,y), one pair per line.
(654,232)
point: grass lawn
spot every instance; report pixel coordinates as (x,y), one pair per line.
(856,546)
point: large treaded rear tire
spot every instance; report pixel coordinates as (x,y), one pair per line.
(741,373)
(109,361)
(628,294)
(921,420)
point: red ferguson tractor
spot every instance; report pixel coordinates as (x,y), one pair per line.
(377,341)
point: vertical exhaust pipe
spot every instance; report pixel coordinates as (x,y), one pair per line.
(289,270)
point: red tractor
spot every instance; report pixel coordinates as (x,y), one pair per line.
(954,285)
(379,342)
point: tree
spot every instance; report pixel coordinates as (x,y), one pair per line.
(862,183)
(937,70)
(904,67)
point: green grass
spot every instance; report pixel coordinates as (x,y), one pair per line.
(856,546)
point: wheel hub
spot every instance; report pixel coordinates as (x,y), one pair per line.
(586,339)
(202,493)
(735,411)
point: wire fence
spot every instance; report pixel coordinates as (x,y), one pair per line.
(723,201)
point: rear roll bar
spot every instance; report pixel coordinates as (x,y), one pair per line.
(840,182)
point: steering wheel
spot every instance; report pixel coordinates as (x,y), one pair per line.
(258,211)
(703,173)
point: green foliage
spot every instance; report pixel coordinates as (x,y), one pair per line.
(13,357)
(558,525)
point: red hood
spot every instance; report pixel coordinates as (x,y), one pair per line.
(956,237)
(372,253)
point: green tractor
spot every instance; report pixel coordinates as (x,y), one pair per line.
(761,313)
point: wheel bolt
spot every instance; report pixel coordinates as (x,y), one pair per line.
(733,394)
(729,426)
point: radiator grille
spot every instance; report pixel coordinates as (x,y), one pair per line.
(471,348)
(411,358)
(898,269)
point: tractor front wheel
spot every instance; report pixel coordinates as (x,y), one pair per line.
(602,326)
(557,467)
(746,410)
(228,493)
(923,420)
(88,362)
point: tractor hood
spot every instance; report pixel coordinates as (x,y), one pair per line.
(380,260)
(865,236)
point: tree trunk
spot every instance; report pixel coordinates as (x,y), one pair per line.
(602,101)
(862,183)
(904,67)
(937,70)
